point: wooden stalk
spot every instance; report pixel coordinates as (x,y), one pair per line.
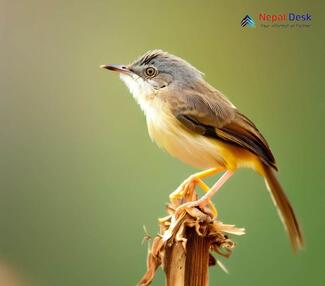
(184,243)
(188,267)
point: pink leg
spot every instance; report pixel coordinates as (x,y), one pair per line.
(202,202)
(205,199)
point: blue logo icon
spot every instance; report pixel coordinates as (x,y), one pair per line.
(248,21)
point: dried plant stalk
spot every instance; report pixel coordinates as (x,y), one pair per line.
(188,267)
(184,244)
(197,259)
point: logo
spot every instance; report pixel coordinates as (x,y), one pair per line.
(248,21)
(284,17)
(283,20)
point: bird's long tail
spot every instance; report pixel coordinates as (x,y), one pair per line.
(284,208)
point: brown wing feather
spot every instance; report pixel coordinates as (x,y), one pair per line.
(241,131)
(211,114)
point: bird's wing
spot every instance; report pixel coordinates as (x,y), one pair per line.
(215,117)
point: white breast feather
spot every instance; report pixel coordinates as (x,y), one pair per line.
(144,94)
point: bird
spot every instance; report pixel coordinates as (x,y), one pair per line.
(198,124)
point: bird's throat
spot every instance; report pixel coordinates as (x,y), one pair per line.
(141,90)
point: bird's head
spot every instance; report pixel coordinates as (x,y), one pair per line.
(155,71)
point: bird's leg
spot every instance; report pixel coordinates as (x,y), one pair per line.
(192,181)
(206,189)
(203,201)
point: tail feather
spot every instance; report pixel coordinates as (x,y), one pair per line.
(284,208)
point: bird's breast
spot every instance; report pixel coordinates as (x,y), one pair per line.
(194,149)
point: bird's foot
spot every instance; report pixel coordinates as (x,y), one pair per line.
(190,183)
(200,203)
(206,199)
(185,188)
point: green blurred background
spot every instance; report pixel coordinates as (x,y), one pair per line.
(79,174)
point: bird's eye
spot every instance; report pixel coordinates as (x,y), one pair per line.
(150,72)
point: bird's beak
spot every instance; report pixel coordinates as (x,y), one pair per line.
(116,68)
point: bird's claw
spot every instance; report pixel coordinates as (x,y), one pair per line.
(187,187)
(201,204)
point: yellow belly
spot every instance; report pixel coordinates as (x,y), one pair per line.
(196,150)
